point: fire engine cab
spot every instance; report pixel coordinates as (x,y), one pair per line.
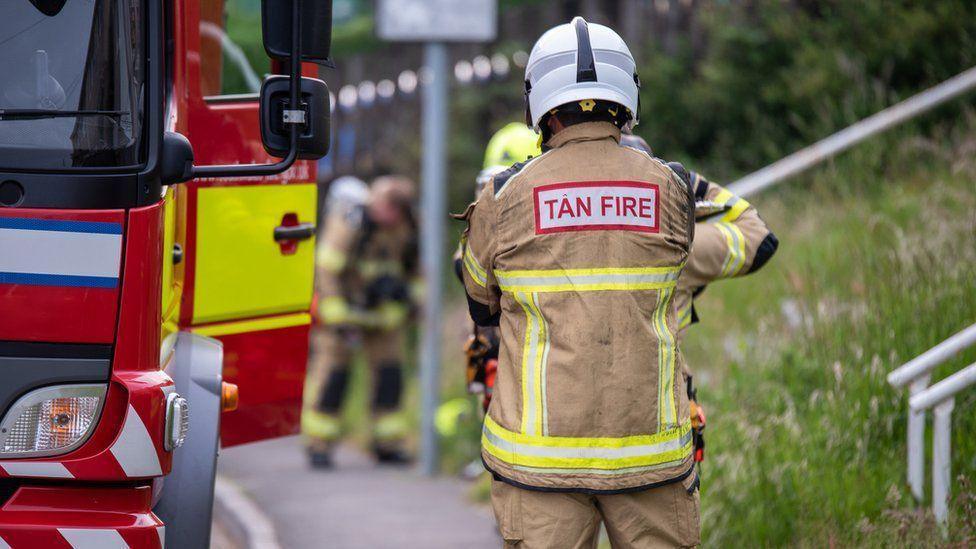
(156,258)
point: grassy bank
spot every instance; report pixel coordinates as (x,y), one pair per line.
(876,264)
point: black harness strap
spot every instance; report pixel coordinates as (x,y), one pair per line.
(585,63)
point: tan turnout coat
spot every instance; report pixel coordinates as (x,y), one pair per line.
(578,252)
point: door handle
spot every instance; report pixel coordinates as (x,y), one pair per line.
(286,233)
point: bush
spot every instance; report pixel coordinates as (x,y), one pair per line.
(776,75)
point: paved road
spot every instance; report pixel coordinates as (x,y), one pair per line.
(357,505)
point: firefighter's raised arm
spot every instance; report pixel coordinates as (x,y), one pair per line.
(730,238)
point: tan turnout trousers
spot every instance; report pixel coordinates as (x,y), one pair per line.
(329,371)
(667,516)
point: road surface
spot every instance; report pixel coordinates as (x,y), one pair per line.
(357,504)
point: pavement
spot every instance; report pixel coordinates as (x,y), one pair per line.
(357,504)
(220,538)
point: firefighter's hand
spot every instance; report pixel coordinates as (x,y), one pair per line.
(392,314)
(334,310)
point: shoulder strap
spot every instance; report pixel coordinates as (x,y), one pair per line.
(502,177)
(685,176)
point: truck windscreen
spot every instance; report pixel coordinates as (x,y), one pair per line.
(71,84)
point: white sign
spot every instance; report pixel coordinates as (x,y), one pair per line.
(597,206)
(437,20)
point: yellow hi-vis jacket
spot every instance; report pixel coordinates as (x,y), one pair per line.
(576,254)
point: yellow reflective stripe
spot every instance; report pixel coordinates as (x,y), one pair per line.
(736,243)
(322,426)
(592,271)
(598,453)
(543,379)
(684,316)
(667,410)
(578,280)
(330,259)
(735,210)
(731,204)
(259,325)
(474,268)
(531,399)
(374,268)
(583,442)
(334,310)
(392,426)
(539,365)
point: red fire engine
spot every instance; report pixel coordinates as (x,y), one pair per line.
(155,259)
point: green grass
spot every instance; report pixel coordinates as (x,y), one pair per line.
(806,440)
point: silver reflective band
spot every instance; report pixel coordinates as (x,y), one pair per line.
(51,420)
(177,421)
(570,280)
(588,452)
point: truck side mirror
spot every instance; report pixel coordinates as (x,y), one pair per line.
(314,130)
(292,107)
(176,159)
(316,27)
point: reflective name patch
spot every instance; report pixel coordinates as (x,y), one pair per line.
(597,206)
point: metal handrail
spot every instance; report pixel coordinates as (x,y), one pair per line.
(855,133)
(942,398)
(917,373)
(924,363)
(944,390)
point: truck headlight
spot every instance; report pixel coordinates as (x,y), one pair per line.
(177,421)
(50,420)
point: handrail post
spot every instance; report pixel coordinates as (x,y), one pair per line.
(916,442)
(942,459)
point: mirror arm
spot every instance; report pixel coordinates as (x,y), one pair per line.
(295,75)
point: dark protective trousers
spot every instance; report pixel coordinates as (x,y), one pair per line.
(333,351)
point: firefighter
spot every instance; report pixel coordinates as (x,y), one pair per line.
(515,142)
(575,254)
(366,260)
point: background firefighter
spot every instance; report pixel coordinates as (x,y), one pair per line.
(513,143)
(366,261)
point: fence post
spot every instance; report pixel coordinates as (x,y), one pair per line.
(942,459)
(916,442)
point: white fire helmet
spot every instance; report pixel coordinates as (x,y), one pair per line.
(347,196)
(578,61)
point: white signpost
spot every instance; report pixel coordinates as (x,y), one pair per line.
(434,22)
(437,20)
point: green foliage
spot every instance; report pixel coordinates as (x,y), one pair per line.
(774,76)
(242,22)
